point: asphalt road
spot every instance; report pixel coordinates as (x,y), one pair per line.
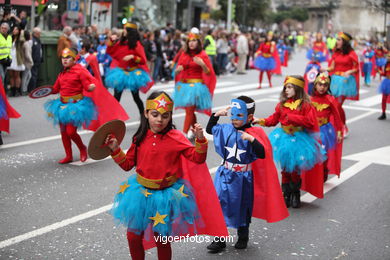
(52,211)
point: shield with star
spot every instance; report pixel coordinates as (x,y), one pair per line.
(97,149)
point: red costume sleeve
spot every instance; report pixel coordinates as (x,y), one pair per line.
(273,119)
(125,161)
(11,112)
(268,199)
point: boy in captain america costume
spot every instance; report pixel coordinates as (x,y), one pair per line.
(246,183)
(103,58)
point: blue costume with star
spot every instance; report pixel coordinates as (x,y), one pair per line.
(104,59)
(234,178)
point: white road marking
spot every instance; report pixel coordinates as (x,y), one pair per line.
(370,101)
(258,92)
(63,223)
(335,181)
(378,156)
(356,118)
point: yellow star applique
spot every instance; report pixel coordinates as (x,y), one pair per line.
(138,73)
(158,219)
(293,105)
(62,107)
(145,192)
(192,84)
(181,190)
(319,106)
(123,187)
(178,88)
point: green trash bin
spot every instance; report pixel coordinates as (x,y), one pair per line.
(51,66)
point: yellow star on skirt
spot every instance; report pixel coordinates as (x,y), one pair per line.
(145,192)
(181,190)
(123,187)
(158,219)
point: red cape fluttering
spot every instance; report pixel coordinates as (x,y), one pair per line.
(268,201)
(209,79)
(11,112)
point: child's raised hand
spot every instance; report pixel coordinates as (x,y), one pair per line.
(199,61)
(222,112)
(198,131)
(179,69)
(128,57)
(260,121)
(111,142)
(246,136)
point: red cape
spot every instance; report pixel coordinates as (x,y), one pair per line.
(268,201)
(107,106)
(210,80)
(334,155)
(278,67)
(198,176)
(313,179)
(11,112)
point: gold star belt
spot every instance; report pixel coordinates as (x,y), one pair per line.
(192,80)
(339,73)
(322,121)
(75,98)
(290,129)
(131,68)
(266,55)
(238,167)
(156,184)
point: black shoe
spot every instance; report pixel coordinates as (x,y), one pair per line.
(296,200)
(325,177)
(13,91)
(382,117)
(286,194)
(241,243)
(216,247)
(1,139)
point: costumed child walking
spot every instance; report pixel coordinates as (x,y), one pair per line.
(247,181)
(6,111)
(194,82)
(83,102)
(384,88)
(132,72)
(171,193)
(296,148)
(329,121)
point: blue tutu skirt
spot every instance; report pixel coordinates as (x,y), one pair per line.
(79,113)
(342,86)
(380,62)
(3,110)
(192,94)
(296,152)
(134,210)
(318,56)
(384,87)
(328,136)
(265,64)
(120,79)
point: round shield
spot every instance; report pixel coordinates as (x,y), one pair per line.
(312,74)
(96,148)
(40,92)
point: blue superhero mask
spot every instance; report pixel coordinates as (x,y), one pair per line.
(239,107)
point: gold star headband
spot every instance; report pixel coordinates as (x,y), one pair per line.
(130,25)
(162,104)
(294,81)
(68,53)
(344,36)
(193,36)
(322,78)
